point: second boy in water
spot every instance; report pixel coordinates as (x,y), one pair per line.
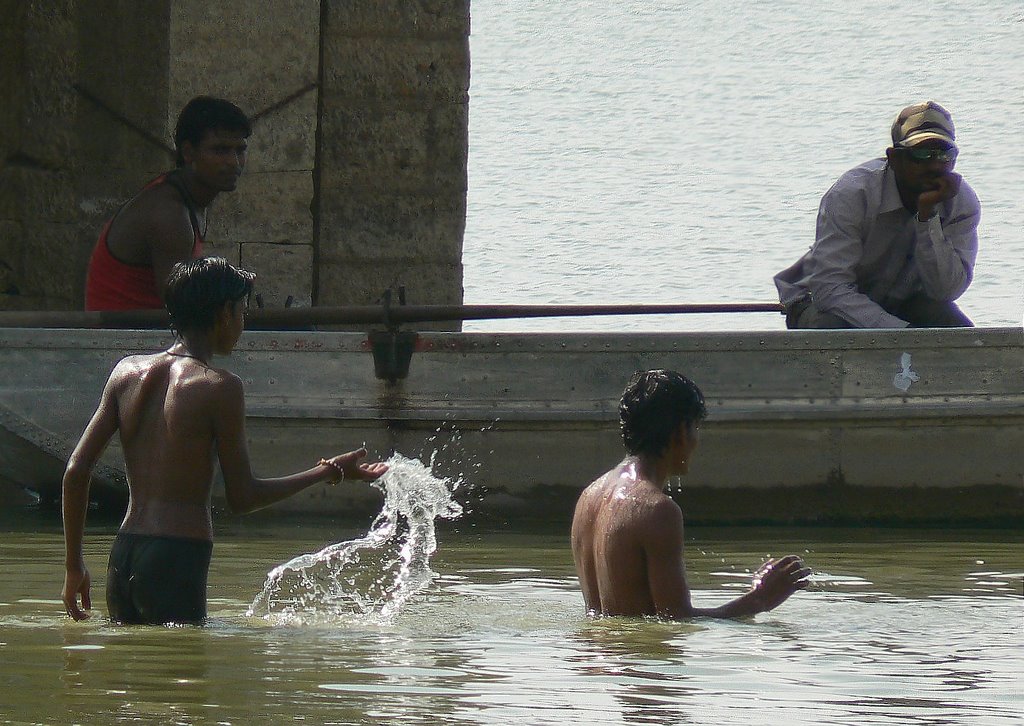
(627,534)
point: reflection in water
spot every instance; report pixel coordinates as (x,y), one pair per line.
(372,577)
(140,672)
(626,658)
(901,628)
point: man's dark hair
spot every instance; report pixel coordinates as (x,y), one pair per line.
(205,113)
(653,406)
(198,289)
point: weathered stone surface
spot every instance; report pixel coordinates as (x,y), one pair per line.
(285,139)
(11,192)
(396,149)
(53,266)
(419,18)
(47,195)
(48,110)
(372,226)
(361,282)
(11,245)
(122,86)
(12,74)
(252,53)
(401,68)
(270,207)
(27,302)
(108,148)
(282,271)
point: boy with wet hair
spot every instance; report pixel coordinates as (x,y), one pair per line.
(197,291)
(652,407)
(627,533)
(176,414)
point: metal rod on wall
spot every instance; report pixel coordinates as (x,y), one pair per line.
(284,318)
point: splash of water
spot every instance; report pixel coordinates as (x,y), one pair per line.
(367,579)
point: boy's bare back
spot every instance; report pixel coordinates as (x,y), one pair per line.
(617,519)
(167,407)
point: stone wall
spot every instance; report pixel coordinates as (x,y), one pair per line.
(356,179)
(394,139)
(37,180)
(12,87)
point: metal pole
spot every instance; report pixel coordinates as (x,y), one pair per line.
(284,318)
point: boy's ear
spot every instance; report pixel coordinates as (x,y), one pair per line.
(679,435)
(188,152)
(684,433)
(224,315)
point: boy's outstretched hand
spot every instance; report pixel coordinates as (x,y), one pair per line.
(776,580)
(351,466)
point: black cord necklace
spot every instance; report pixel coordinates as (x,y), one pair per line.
(187,355)
(192,204)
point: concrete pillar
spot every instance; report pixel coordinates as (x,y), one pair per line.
(393,145)
(357,169)
(14,88)
(37,200)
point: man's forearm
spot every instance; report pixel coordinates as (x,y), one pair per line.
(74,504)
(945,275)
(854,307)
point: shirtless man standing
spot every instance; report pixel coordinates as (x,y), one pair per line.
(176,415)
(627,534)
(165,222)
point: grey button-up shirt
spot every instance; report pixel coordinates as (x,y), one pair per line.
(870,252)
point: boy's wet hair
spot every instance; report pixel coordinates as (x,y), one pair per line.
(653,406)
(205,113)
(198,289)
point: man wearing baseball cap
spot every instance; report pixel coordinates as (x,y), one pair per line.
(896,237)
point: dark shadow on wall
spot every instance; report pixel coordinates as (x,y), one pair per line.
(85,95)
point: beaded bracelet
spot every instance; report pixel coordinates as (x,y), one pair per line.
(336,467)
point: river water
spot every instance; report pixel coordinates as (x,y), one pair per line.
(898,628)
(665,151)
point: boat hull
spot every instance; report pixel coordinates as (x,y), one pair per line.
(910,426)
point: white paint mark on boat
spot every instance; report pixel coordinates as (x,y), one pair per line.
(905,376)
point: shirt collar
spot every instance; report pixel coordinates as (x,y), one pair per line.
(890,192)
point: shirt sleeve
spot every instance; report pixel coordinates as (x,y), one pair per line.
(945,248)
(833,261)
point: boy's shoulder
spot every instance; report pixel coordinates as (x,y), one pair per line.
(192,373)
(133,367)
(209,376)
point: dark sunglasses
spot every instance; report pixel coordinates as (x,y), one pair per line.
(923,155)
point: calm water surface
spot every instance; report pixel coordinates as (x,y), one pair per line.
(899,628)
(666,151)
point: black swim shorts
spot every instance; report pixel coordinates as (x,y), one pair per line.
(154,580)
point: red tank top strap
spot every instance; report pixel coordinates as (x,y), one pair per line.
(111,284)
